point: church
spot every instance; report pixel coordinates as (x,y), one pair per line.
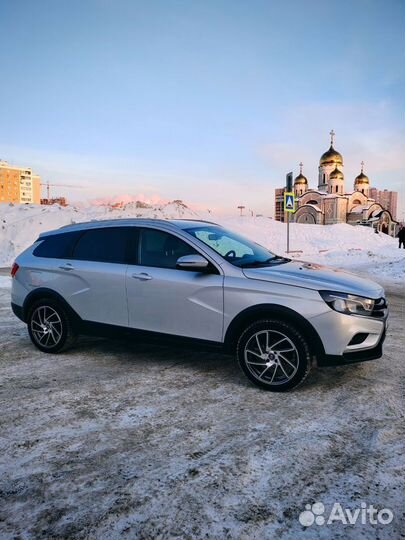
(330,203)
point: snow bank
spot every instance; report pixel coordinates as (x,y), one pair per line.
(5,282)
(20,225)
(358,249)
(355,248)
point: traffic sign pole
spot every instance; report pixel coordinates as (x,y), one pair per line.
(289,204)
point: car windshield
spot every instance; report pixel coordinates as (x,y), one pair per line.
(234,248)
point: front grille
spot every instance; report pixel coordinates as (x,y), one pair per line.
(380,308)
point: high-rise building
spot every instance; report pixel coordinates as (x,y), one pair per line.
(19,184)
(387,199)
(279,213)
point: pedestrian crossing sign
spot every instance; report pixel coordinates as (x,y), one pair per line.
(289,201)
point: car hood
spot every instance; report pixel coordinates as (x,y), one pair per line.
(316,276)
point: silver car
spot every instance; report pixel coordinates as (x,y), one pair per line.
(194,281)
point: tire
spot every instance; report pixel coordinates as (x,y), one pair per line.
(270,368)
(49,326)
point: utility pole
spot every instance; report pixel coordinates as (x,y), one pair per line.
(241,208)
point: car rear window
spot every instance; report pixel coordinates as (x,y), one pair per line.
(56,246)
(102,245)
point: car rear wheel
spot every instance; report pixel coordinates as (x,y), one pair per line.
(49,326)
(274,355)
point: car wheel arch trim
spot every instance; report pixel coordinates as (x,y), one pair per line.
(43,293)
(252,313)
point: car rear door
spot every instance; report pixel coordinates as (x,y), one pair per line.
(165,299)
(94,276)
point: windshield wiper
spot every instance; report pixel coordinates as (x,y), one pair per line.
(267,262)
(252,264)
(278,258)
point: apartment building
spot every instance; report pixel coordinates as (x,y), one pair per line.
(387,199)
(279,213)
(19,184)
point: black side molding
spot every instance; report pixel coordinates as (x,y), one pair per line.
(90,328)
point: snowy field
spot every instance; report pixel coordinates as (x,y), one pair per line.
(354,248)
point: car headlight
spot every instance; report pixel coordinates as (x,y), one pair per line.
(350,304)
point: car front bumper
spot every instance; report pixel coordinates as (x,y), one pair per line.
(348,338)
(353,357)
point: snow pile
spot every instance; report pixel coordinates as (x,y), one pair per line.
(20,225)
(355,248)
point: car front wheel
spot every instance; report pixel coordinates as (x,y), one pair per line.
(49,326)
(274,355)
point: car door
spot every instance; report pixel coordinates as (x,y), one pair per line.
(94,276)
(163,298)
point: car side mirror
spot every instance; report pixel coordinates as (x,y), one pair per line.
(192,262)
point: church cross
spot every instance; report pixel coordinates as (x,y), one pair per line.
(301,165)
(332,137)
(362,166)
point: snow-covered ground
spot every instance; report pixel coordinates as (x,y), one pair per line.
(355,248)
(5,282)
(123,440)
(129,440)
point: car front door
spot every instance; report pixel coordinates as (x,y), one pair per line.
(162,298)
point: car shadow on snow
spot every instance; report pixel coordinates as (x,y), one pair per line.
(166,356)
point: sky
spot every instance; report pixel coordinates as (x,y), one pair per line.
(208,101)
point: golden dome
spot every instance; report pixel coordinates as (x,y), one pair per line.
(336,174)
(300,179)
(361,179)
(330,157)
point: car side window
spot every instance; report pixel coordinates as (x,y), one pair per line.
(107,244)
(56,246)
(161,249)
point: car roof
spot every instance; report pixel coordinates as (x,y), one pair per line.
(172,224)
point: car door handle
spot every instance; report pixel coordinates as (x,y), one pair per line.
(142,276)
(66,266)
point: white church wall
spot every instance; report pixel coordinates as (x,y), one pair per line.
(324,173)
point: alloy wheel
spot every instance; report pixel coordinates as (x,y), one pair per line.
(46,326)
(271,357)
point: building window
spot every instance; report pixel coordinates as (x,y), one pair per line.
(337,189)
